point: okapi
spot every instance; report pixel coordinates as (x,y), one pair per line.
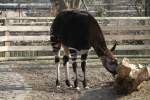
(78,31)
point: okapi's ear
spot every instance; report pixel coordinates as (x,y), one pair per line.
(114,47)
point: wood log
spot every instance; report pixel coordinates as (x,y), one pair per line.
(130,76)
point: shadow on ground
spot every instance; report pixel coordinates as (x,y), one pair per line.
(107,93)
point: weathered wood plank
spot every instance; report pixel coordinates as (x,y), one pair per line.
(47,37)
(25,38)
(90,60)
(124,28)
(126,37)
(47,28)
(28,18)
(25,48)
(32,23)
(132,47)
(122,56)
(7,54)
(123,11)
(24,28)
(98,18)
(48,48)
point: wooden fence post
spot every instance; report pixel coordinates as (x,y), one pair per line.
(147,42)
(7,43)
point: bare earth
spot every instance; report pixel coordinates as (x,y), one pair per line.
(36,81)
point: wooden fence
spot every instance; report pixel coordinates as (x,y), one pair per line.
(27,38)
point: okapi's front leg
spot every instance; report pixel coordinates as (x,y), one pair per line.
(74,65)
(83,66)
(66,65)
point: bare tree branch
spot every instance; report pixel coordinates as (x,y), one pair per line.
(84,5)
(72,4)
(147,7)
(138,6)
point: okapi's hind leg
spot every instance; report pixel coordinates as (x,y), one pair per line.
(83,66)
(66,65)
(56,50)
(57,63)
(74,65)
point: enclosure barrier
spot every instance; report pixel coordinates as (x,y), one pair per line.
(27,38)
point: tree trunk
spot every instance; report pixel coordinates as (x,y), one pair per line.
(58,6)
(147,7)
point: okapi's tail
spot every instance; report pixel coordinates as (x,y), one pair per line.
(54,40)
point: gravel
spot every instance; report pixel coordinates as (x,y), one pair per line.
(35,81)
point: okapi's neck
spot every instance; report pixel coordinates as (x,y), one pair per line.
(99,43)
(97,38)
(100,48)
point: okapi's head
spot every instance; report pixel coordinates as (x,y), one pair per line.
(109,61)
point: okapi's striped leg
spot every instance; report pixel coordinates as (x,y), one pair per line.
(57,62)
(66,65)
(74,65)
(83,66)
(56,47)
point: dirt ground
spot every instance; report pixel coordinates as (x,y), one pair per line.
(41,81)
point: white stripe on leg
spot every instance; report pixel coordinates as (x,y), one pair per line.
(57,62)
(58,71)
(67,71)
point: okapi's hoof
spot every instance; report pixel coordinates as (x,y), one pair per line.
(58,86)
(86,87)
(85,84)
(77,88)
(68,84)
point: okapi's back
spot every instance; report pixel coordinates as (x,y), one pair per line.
(72,28)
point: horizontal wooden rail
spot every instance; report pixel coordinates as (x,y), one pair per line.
(48,48)
(46,5)
(25,38)
(98,18)
(123,11)
(25,48)
(90,59)
(124,28)
(47,28)
(132,47)
(24,28)
(123,18)
(32,23)
(27,18)
(121,37)
(47,38)
(24,5)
